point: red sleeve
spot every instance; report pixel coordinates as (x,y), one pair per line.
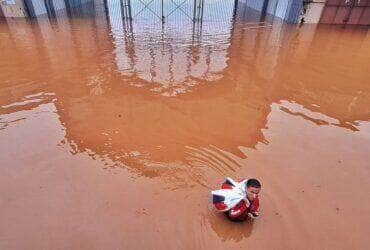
(239,209)
(255,205)
(226,186)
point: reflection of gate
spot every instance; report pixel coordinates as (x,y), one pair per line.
(346,12)
(164,9)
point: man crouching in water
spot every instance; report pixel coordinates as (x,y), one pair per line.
(249,206)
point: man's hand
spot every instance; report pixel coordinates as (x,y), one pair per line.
(247,202)
(253,215)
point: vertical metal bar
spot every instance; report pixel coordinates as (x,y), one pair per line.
(105,6)
(50,8)
(129,10)
(126,9)
(264,11)
(162,11)
(30,10)
(235,7)
(193,34)
(195,9)
(264,7)
(122,8)
(198,10)
(201,18)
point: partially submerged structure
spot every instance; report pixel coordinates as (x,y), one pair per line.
(355,12)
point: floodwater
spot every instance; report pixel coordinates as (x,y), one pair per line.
(112,135)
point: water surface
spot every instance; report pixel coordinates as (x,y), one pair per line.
(112,133)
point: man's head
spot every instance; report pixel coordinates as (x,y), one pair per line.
(253,188)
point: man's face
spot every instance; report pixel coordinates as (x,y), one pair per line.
(252,192)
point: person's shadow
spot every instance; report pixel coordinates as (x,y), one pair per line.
(229,230)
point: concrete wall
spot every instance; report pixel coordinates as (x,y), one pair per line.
(281,7)
(13,8)
(74,3)
(294,9)
(38,7)
(59,4)
(288,10)
(272,6)
(313,11)
(255,4)
(18,8)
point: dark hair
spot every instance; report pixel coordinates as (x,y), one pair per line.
(253,183)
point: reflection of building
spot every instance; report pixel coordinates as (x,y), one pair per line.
(291,65)
(133,125)
(93,65)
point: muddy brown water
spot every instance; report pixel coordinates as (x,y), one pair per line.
(112,139)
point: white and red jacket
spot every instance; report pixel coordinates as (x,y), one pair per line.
(232,198)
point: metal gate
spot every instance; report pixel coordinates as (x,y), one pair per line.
(346,12)
(168,10)
(162,9)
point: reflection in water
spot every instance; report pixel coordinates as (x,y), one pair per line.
(228,230)
(178,102)
(228,75)
(171,59)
